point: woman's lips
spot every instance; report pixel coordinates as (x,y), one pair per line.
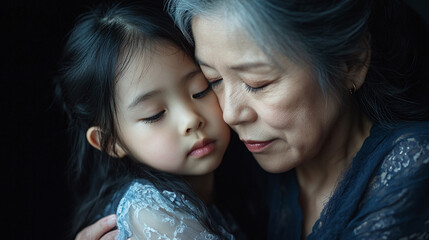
(257,146)
(202,148)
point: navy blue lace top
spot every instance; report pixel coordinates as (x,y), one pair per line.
(384,194)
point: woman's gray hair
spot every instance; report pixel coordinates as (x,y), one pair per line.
(329,35)
(320,34)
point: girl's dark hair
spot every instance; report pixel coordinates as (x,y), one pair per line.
(99,47)
(326,34)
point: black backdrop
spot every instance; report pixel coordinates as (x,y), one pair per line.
(37,202)
(35,199)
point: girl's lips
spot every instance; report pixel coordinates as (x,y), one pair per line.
(257,146)
(202,148)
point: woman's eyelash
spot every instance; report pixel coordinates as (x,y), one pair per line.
(254,89)
(203,93)
(154,118)
(214,84)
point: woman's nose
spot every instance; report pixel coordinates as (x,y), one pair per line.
(235,107)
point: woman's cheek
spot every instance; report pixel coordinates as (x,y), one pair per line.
(277,116)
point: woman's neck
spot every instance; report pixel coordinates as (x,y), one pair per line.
(318,177)
(203,185)
(344,141)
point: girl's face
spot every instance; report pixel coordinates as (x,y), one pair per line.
(168,116)
(279,112)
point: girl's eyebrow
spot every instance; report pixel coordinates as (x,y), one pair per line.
(146,96)
(191,74)
(201,63)
(143,97)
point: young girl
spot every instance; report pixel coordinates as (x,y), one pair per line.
(144,124)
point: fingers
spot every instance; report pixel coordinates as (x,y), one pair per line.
(110,235)
(99,229)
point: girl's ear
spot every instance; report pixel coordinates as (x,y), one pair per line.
(93,135)
(357,72)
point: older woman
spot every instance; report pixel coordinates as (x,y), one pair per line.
(333,96)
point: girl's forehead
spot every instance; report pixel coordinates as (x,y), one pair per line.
(158,68)
(137,60)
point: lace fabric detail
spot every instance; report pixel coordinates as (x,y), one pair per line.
(398,189)
(405,159)
(146,213)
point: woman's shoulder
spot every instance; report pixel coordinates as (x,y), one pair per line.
(407,155)
(399,131)
(406,129)
(393,205)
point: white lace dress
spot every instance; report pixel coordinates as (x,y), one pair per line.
(143,213)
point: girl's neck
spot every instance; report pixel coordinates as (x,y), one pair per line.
(203,185)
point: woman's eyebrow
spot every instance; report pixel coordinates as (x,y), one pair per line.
(251,66)
(242,66)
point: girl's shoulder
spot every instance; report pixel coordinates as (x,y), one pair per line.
(146,212)
(141,193)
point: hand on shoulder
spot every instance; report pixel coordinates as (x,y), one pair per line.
(100,230)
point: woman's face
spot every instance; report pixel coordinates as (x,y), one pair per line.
(278,111)
(168,116)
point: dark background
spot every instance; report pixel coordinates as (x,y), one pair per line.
(33,140)
(35,199)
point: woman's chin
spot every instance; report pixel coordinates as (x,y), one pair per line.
(274,164)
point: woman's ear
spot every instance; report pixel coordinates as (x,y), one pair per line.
(357,72)
(93,135)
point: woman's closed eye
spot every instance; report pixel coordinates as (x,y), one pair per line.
(253,89)
(254,86)
(154,118)
(216,83)
(203,93)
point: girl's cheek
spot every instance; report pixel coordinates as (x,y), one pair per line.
(161,151)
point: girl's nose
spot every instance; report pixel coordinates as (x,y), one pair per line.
(192,121)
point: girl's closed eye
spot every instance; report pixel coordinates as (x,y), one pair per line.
(215,83)
(154,118)
(203,93)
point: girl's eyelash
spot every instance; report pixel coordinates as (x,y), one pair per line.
(154,118)
(159,115)
(215,83)
(253,89)
(203,93)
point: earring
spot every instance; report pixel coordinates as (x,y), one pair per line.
(353,90)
